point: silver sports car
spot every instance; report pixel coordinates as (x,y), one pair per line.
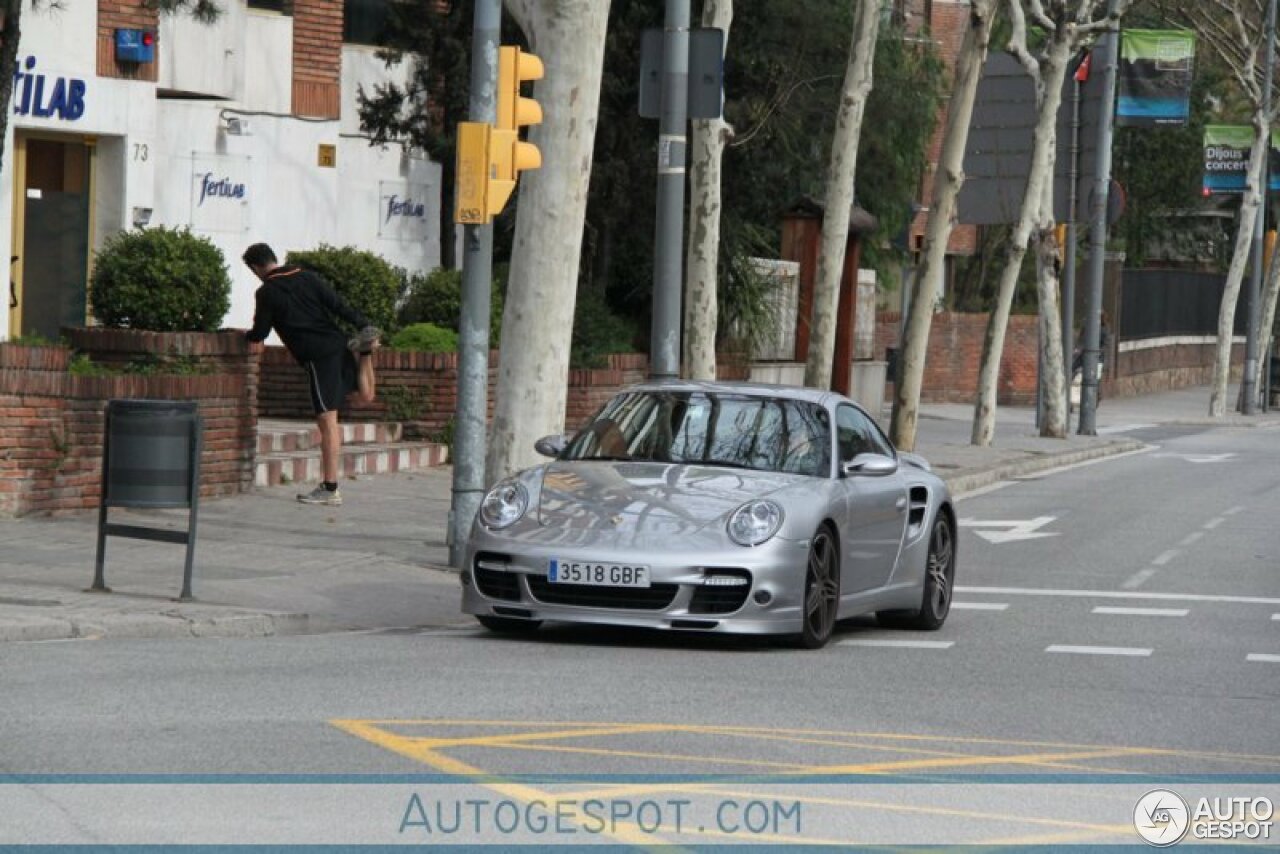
(717,507)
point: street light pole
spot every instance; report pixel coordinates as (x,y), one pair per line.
(471,415)
(1249,384)
(668,278)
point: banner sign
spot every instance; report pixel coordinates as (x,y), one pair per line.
(1155,77)
(1227,149)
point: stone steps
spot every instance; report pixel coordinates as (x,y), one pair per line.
(289,452)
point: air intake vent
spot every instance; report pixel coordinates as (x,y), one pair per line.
(919,506)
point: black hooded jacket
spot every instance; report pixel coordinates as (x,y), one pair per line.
(301,306)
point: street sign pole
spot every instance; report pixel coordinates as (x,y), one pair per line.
(477,274)
(1098,230)
(668,278)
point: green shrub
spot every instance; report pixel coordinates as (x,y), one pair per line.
(598,332)
(364,279)
(437,298)
(425,337)
(403,403)
(164,280)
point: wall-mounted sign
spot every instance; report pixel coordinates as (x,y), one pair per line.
(403,211)
(46,97)
(219,192)
(327,155)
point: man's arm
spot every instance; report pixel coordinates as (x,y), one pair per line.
(261,319)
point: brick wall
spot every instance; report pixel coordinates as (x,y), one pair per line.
(317,57)
(955,355)
(124,14)
(1171,366)
(51,421)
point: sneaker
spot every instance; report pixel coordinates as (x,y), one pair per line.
(365,340)
(320,495)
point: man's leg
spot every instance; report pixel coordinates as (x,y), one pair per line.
(330,444)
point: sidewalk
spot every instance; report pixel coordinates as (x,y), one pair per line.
(268,565)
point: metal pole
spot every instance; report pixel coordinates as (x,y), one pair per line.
(477,274)
(664,349)
(1098,230)
(1069,274)
(1249,384)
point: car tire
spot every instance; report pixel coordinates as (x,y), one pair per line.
(939,581)
(821,600)
(509,625)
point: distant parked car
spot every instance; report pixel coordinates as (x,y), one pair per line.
(717,507)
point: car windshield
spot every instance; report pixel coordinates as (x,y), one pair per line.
(735,430)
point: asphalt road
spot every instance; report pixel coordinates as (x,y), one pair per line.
(1118,618)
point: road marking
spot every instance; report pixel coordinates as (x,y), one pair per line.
(1018,529)
(1139,578)
(1213,523)
(1199,458)
(1165,557)
(1233,511)
(1099,650)
(1191,538)
(906,644)
(1116,594)
(991,606)
(1141,612)
(1273,616)
(1264,656)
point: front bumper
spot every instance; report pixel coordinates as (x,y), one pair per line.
(503,578)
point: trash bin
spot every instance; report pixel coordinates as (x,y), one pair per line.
(150,459)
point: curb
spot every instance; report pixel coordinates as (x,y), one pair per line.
(965,482)
(20,628)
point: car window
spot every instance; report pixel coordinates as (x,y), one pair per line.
(739,430)
(858,434)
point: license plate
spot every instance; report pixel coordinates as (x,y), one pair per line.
(597,574)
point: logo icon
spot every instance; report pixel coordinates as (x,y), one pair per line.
(1161,817)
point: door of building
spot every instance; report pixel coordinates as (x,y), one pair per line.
(53,181)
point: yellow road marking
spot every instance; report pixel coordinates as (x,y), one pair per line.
(513,740)
(968,762)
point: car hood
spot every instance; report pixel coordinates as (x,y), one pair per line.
(648,497)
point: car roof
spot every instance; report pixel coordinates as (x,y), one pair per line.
(754,389)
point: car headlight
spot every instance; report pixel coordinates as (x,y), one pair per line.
(504,504)
(754,522)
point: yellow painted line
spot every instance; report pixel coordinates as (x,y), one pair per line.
(671,757)
(449,765)
(512,740)
(966,762)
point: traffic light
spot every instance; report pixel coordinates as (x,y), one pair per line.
(491,157)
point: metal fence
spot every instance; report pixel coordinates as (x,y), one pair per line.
(1158,303)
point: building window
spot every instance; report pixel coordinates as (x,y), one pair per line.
(366,21)
(268,5)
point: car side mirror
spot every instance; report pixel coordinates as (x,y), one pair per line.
(551,446)
(870,465)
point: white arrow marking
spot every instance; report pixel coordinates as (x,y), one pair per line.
(1199,458)
(1018,529)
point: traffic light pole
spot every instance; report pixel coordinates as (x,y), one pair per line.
(472,410)
(1098,232)
(668,278)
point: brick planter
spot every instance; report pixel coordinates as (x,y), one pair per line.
(51,420)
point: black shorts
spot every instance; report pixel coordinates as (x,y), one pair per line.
(330,380)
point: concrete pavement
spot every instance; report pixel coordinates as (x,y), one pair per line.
(267,565)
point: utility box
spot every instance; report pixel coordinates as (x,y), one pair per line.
(150,460)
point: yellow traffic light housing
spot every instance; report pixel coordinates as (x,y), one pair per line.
(491,157)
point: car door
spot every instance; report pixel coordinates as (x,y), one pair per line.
(875,505)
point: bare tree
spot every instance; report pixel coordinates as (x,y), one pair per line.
(947,182)
(1065,23)
(839,195)
(1267,318)
(1235,31)
(706,148)
(537,320)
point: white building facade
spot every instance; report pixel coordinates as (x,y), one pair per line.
(244,130)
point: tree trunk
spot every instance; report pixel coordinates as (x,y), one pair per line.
(11,10)
(1267,320)
(947,181)
(1235,274)
(1053,386)
(706,148)
(1053,70)
(839,195)
(537,320)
